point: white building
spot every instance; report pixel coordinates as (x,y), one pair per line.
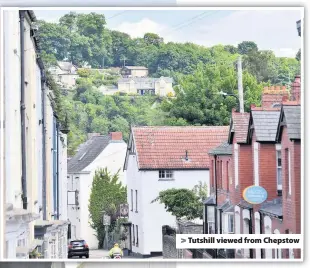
(65,74)
(160,158)
(134,71)
(97,152)
(29,161)
(145,85)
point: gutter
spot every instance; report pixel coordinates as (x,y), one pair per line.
(23,107)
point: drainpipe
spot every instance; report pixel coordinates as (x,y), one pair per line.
(215,176)
(251,230)
(43,79)
(221,214)
(57,167)
(261,223)
(22,107)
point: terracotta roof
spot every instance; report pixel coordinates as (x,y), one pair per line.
(166,147)
(239,127)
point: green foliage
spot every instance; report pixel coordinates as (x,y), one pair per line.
(199,74)
(107,194)
(246,47)
(184,203)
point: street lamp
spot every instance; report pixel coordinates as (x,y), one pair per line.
(224,94)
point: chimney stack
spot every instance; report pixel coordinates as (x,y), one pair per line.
(116,136)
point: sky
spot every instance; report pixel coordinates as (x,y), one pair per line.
(269,29)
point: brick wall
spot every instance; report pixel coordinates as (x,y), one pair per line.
(272,95)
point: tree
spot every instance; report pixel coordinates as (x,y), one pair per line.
(247,46)
(107,194)
(184,203)
(153,39)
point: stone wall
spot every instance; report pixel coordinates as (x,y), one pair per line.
(169,239)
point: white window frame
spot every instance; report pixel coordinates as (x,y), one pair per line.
(165,174)
(256,164)
(278,151)
(230,215)
(289,172)
(236,162)
(69,199)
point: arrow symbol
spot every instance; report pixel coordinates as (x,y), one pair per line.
(183,240)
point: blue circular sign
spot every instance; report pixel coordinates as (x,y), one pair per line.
(255,194)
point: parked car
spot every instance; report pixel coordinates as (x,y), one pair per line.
(78,248)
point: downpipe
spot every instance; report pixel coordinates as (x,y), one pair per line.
(23,107)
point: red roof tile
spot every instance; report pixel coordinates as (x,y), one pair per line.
(165,147)
(240,126)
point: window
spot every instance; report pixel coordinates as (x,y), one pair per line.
(136,200)
(71,198)
(227,176)
(256,174)
(236,152)
(133,234)
(131,200)
(279,168)
(289,172)
(137,232)
(165,175)
(230,223)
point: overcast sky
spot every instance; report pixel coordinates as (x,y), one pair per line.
(270,29)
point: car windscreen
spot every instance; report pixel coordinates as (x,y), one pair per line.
(77,243)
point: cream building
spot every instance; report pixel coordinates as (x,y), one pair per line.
(146,85)
(27,160)
(134,71)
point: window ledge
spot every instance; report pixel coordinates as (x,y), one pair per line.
(166,179)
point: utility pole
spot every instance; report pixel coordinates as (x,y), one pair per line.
(102,62)
(240,86)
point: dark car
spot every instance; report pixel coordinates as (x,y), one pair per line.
(78,248)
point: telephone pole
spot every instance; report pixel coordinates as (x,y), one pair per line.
(124,59)
(240,85)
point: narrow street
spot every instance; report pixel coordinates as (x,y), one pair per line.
(102,254)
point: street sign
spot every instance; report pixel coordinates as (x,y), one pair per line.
(255,195)
(106,220)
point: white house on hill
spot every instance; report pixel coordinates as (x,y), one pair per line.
(97,152)
(160,158)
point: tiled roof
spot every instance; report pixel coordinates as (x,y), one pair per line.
(265,124)
(210,200)
(224,149)
(87,153)
(166,147)
(273,208)
(292,117)
(239,127)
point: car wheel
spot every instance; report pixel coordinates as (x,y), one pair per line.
(69,257)
(80,257)
(87,256)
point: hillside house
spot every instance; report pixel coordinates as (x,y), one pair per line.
(64,74)
(98,151)
(146,86)
(160,158)
(134,71)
